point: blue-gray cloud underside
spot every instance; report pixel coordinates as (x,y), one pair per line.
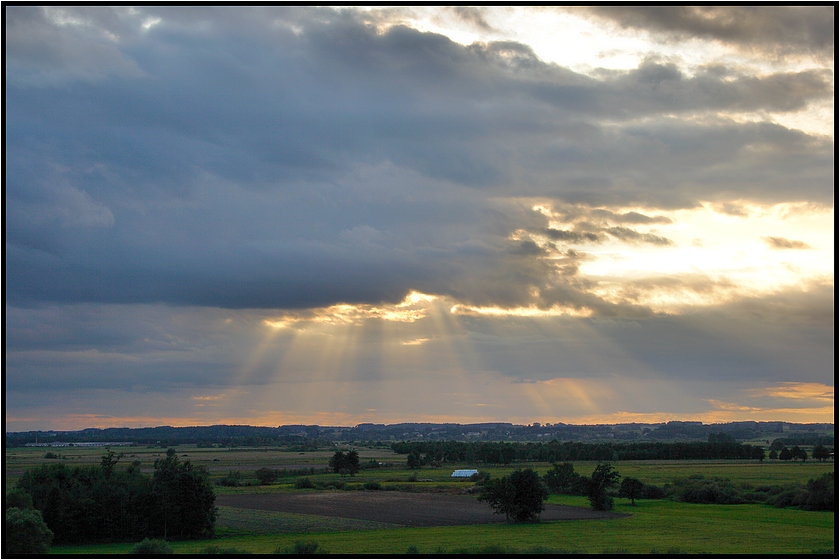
(779,29)
(220,158)
(155,348)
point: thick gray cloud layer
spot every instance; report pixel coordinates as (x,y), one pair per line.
(778,29)
(292,158)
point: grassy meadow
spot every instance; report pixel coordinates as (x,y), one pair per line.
(655,526)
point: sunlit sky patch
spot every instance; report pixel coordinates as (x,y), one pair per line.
(284,215)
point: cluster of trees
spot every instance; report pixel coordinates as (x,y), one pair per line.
(781,452)
(787,454)
(24,530)
(810,440)
(520,495)
(345,463)
(817,494)
(105,503)
(562,479)
(512,452)
(294,438)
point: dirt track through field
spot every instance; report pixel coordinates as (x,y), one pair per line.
(400,508)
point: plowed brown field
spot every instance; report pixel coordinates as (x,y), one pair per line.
(400,508)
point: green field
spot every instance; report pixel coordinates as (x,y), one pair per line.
(655,526)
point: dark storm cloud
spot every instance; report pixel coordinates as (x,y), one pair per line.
(778,29)
(254,158)
(788,335)
(138,347)
(782,243)
(660,87)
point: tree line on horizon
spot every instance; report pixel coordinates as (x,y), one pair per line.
(305,438)
(518,452)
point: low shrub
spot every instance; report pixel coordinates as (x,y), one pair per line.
(821,494)
(232,479)
(699,490)
(304,483)
(652,492)
(305,547)
(266,476)
(817,495)
(373,486)
(480,478)
(226,551)
(151,547)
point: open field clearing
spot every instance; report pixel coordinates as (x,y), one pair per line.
(752,472)
(232,520)
(221,461)
(655,526)
(398,508)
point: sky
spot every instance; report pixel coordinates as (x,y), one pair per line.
(279,215)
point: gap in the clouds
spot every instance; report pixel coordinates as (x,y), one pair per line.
(672,260)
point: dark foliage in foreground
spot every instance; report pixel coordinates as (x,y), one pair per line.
(152,547)
(24,532)
(95,504)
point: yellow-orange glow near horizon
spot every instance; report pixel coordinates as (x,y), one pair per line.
(554,311)
(793,390)
(414,307)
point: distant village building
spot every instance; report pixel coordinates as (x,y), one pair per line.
(464,473)
(82,444)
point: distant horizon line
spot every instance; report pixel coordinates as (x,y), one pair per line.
(535,424)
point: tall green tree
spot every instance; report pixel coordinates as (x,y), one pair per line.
(603,478)
(266,475)
(631,488)
(820,453)
(413,460)
(562,479)
(519,496)
(183,499)
(342,462)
